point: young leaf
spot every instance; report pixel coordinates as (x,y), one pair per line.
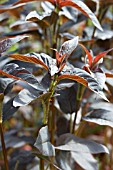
(100,116)
(83,8)
(7,43)
(90,59)
(68,47)
(101,55)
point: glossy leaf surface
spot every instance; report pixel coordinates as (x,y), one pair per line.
(100,116)
(43,142)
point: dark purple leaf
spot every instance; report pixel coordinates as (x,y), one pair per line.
(67,99)
(85,160)
(100,76)
(43,143)
(25,97)
(83,8)
(64,123)
(82,77)
(8,110)
(68,47)
(23,74)
(100,116)
(69,142)
(44,20)
(7,43)
(4,83)
(64,160)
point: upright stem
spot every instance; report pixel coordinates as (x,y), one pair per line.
(2,133)
(74,123)
(79,96)
(41,164)
(52,121)
(94,30)
(3,147)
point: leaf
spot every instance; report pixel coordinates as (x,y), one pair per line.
(103,105)
(64,123)
(17,141)
(73,77)
(90,58)
(14,5)
(64,160)
(25,97)
(68,47)
(9,75)
(8,110)
(100,77)
(70,142)
(32,30)
(22,74)
(103,35)
(44,20)
(4,83)
(43,143)
(82,77)
(100,116)
(3,16)
(7,43)
(101,55)
(28,95)
(70,13)
(85,160)
(83,8)
(47,6)
(67,99)
(5,8)
(43,59)
(31,58)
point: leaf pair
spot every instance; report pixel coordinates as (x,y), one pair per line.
(65,51)
(70,143)
(92,61)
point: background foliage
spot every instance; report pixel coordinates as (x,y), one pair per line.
(56,85)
